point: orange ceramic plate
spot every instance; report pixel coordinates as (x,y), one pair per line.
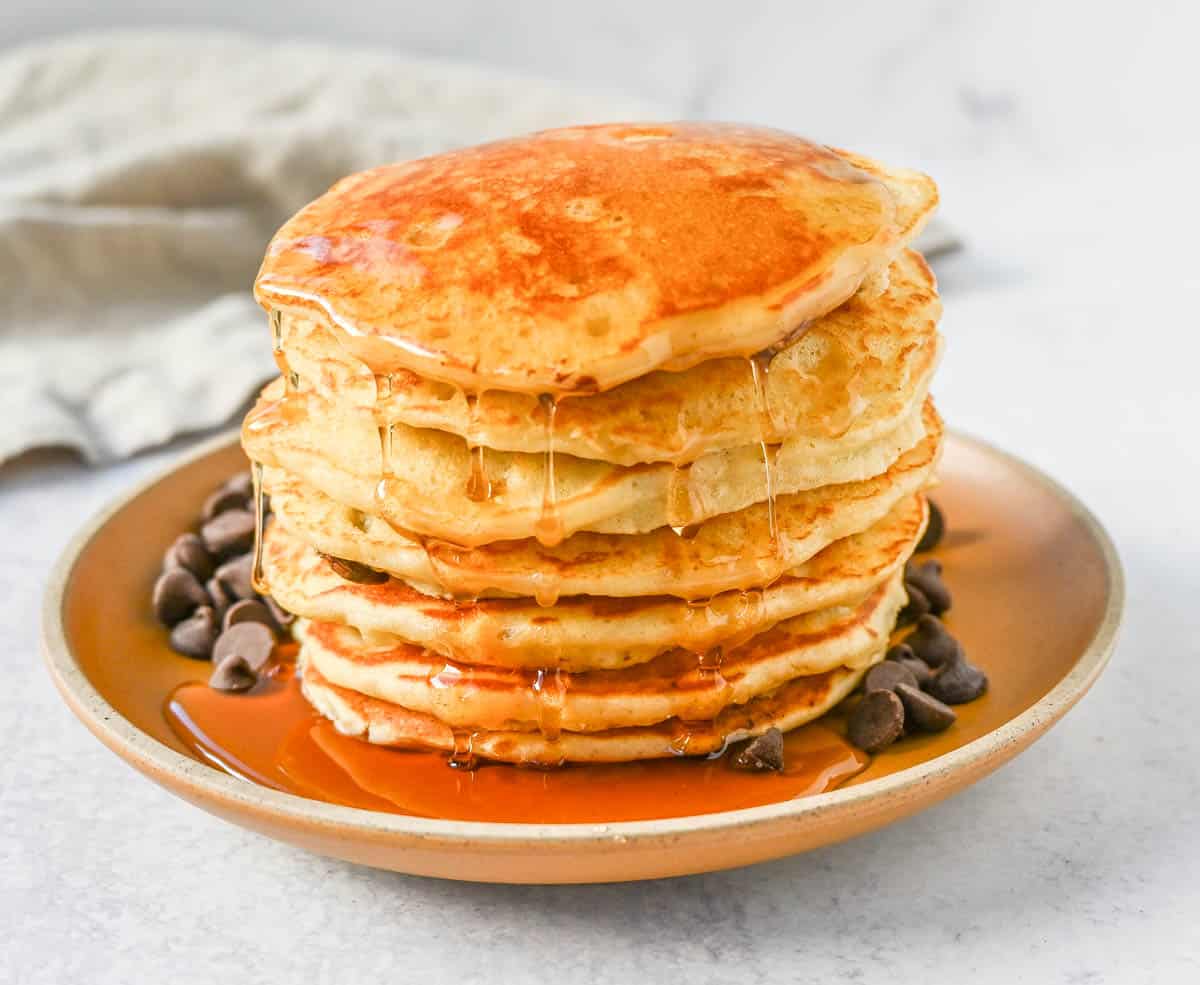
(1038,595)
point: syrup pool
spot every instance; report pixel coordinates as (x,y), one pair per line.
(271,736)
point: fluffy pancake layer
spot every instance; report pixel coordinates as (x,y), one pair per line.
(746,549)
(427,489)
(586,632)
(849,379)
(384,723)
(575,260)
(675,684)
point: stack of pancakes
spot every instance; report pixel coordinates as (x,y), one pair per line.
(598,445)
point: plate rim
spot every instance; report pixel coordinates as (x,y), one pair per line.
(204,782)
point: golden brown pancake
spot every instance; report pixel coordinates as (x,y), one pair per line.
(733,551)
(574,260)
(675,684)
(426,485)
(384,723)
(584,633)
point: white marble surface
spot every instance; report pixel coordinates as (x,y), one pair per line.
(1066,143)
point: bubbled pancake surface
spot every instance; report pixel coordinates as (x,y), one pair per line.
(575,260)
(735,550)
(583,633)
(848,379)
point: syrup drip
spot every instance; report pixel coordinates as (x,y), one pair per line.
(550,691)
(462,757)
(479,483)
(386,468)
(291,379)
(694,739)
(444,557)
(750,617)
(759,369)
(546,587)
(549,528)
(680,509)
(479,486)
(708,666)
(435,551)
(258,576)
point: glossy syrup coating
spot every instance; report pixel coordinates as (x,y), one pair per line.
(573,260)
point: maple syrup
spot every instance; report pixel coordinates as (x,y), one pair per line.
(681,513)
(550,692)
(290,378)
(258,575)
(760,364)
(462,757)
(272,736)
(479,482)
(549,529)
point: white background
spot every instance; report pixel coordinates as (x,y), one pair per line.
(1065,139)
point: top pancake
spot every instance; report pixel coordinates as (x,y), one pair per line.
(574,260)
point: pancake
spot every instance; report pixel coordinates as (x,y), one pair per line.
(746,549)
(631,423)
(574,260)
(384,723)
(584,633)
(849,379)
(675,684)
(423,481)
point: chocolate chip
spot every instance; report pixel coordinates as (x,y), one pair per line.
(176,595)
(282,617)
(918,606)
(931,567)
(923,712)
(887,675)
(221,598)
(188,551)
(233,674)
(958,682)
(221,500)
(241,484)
(248,610)
(231,532)
(876,721)
(902,654)
(935,529)
(927,577)
(235,576)
(194,637)
(762,754)
(354,571)
(251,641)
(933,644)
